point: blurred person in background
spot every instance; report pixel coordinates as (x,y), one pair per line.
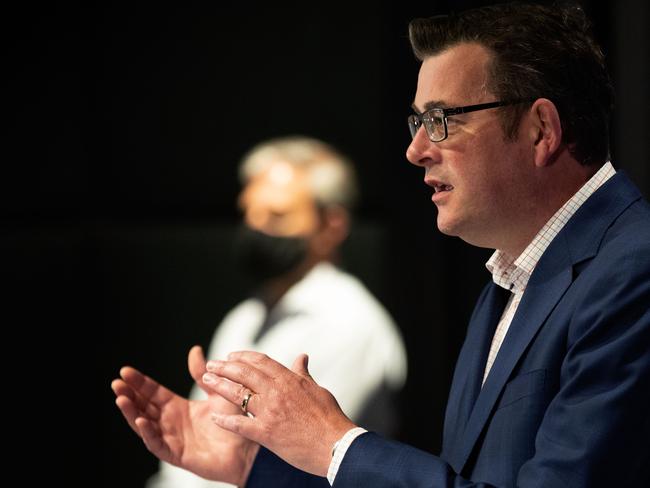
(296,200)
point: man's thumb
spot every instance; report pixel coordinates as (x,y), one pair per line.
(196,365)
(300,365)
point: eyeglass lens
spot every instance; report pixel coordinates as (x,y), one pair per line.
(433,122)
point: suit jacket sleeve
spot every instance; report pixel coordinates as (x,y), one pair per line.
(269,471)
(374,461)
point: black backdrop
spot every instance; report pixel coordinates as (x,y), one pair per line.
(127,123)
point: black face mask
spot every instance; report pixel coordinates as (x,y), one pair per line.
(263,257)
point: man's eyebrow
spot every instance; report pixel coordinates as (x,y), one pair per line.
(429,105)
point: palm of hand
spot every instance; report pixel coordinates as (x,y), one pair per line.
(197,444)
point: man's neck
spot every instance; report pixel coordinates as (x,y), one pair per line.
(553,195)
(563,183)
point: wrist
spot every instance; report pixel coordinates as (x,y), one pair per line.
(333,441)
(339,451)
(250,454)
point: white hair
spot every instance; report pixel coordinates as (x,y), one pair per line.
(331,176)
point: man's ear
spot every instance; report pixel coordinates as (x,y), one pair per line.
(546,130)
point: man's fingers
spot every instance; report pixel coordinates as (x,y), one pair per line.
(231,391)
(129,411)
(301,366)
(144,427)
(243,373)
(240,424)
(122,389)
(152,438)
(260,361)
(145,386)
(196,364)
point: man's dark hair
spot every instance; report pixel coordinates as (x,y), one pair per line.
(539,51)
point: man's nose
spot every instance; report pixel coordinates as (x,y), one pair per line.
(421,150)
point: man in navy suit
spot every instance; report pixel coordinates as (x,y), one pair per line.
(551,385)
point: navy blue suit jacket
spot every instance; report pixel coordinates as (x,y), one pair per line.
(567,401)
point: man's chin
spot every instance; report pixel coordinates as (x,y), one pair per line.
(447,227)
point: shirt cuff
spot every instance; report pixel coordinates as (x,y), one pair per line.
(341,447)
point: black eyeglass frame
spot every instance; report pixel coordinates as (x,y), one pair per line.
(415,120)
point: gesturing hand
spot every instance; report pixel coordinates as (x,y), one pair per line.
(293,416)
(179,431)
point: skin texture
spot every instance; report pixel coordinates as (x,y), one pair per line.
(294,417)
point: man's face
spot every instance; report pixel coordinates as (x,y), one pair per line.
(278,202)
(480,179)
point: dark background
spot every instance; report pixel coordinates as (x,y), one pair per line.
(126,126)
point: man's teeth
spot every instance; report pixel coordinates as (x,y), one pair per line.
(443,188)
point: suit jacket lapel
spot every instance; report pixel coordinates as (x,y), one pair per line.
(537,303)
(466,383)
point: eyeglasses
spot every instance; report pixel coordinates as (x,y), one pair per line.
(435,120)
